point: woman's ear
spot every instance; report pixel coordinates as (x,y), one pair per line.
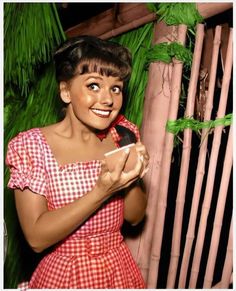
(64,92)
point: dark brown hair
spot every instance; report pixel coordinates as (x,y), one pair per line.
(87,54)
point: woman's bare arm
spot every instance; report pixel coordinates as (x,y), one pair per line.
(135,197)
(43,228)
(135,204)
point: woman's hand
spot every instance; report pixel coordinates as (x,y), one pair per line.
(112,181)
(135,195)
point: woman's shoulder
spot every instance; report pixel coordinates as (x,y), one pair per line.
(35,133)
(28,134)
(25,143)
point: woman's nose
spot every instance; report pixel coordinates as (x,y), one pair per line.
(107,98)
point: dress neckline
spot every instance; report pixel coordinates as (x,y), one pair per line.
(75,163)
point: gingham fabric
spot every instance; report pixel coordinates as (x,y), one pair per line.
(95,255)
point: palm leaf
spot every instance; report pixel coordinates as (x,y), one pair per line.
(139,42)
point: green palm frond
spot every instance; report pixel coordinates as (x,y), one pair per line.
(31,31)
(139,42)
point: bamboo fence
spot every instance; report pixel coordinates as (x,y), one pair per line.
(175,251)
(202,154)
(165,165)
(212,169)
(148,250)
(219,213)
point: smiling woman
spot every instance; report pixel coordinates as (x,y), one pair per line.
(102,99)
(66,197)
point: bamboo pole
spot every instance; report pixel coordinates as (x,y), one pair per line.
(153,125)
(210,178)
(228,265)
(219,212)
(130,12)
(129,26)
(109,20)
(166,157)
(179,209)
(204,135)
(210,9)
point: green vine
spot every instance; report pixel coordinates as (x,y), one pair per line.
(177,13)
(165,52)
(179,125)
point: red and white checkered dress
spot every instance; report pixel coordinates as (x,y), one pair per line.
(95,255)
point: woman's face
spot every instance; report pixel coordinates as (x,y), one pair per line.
(95,99)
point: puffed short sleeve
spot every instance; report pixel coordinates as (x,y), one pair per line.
(25,159)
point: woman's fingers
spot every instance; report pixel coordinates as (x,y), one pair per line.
(142,151)
(117,179)
(136,171)
(121,163)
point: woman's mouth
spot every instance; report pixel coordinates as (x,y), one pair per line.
(101,113)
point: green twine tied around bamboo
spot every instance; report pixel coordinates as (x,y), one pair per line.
(177,13)
(177,126)
(165,52)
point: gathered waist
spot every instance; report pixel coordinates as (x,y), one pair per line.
(91,245)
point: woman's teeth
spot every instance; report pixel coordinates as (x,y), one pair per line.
(103,113)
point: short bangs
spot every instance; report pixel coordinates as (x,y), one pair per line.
(104,68)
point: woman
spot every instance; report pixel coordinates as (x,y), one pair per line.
(65,195)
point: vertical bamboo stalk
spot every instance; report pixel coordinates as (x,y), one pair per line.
(153,134)
(204,140)
(219,212)
(228,265)
(175,249)
(211,173)
(166,157)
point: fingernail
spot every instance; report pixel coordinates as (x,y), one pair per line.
(127,150)
(146,170)
(141,158)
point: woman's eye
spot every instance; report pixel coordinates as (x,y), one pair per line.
(116,89)
(93,87)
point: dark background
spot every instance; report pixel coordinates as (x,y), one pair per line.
(72,14)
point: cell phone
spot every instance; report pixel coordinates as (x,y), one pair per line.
(112,157)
